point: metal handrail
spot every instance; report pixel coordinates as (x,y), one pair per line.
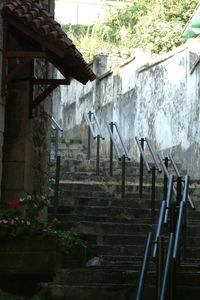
(96,135)
(155,167)
(122,142)
(159,227)
(143,154)
(168,198)
(121,156)
(167,267)
(180,216)
(113,141)
(168,176)
(56,124)
(89,123)
(144,267)
(178,175)
(57,128)
(163,215)
(153,155)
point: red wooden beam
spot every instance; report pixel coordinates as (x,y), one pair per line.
(44,94)
(51,81)
(25,61)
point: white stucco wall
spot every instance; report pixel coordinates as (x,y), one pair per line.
(154,97)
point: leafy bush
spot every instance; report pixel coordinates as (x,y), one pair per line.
(155,25)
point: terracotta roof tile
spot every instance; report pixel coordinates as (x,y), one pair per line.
(31,15)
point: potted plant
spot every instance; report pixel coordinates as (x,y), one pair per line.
(30,246)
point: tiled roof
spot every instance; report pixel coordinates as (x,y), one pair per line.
(34,23)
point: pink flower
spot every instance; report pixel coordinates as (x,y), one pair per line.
(28,223)
(5,221)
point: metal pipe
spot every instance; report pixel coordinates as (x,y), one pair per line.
(163,166)
(165,171)
(178,174)
(123,175)
(56,124)
(111,151)
(141,169)
(122,142)
(186,188)
(89,124)
(98,151)
(167,267)
(98,125)
(178,229)
(159,227)
(169,198)
(153,155)
(57,179)
(56,142)
(166,161)
(159,265)
(179,191)
(140,286)
(113,141)
(89,135)
(143,155)
(153,192)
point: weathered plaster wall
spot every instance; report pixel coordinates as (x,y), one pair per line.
(148,96)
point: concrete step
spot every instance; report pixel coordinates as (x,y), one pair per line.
(92,291)
(109,188)
(94,275)
(102,228)
(73,219)
(104,211)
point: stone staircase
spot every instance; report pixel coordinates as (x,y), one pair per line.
(115,229)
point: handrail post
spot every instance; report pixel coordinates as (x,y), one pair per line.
(56,142)
(147,251)
(159,265)
(184,231)
(153,193)
(172,281)
(123,175)
(98,150)
(168,263)
(57,179)
(89,134)
(111,151)
(141,168)
(179,190)
(166,162)
(172,224)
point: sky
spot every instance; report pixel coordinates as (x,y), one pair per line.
(85,12)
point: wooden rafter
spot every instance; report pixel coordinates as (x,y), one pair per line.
(44,94)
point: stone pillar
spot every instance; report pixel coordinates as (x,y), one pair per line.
(26,140)
(2,100)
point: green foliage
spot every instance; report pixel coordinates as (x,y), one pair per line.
(155,25)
